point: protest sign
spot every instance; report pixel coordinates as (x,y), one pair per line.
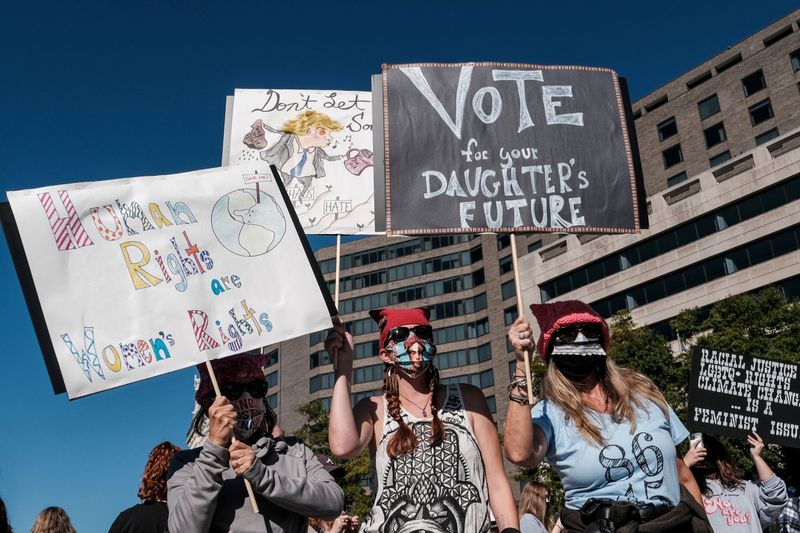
(139,277)
(320,142)
(498,147)
(733,394)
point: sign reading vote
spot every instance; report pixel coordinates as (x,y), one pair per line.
(495,147)
(732,394)
(139,277)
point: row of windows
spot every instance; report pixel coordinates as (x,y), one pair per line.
(319,358)
(416,292)
(723,265)
(482,380)
(321,382)
(409,270)
(458,307)
(461,332)
(365,374)
(366,349)
(394,251)
(462,358)
(723,218)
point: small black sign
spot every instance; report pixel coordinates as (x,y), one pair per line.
(732,394)
(498,147)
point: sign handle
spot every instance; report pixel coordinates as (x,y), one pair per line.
(336,288)
(520,312)
(247,485)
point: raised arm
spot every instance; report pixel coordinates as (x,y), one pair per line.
(501,499)
(525,443)
(349,431)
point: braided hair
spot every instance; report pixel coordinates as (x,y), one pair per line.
(404,441)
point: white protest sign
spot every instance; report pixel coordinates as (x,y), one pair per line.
(321,143)
(139,277)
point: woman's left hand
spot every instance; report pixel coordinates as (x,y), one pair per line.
(756,444)
(242,457)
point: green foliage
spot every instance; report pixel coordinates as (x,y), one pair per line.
(315,434)
(760,324)
(647,352)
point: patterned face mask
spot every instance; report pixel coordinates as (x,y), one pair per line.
(402,351)
(249,416)
(578,358)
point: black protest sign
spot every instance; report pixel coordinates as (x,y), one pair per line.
(732,394)
(497,147)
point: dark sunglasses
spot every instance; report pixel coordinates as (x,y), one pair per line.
(401,333)
(232,391)
(570,333)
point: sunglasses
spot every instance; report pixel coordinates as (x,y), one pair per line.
(232,391)
(570,333)
(401,333)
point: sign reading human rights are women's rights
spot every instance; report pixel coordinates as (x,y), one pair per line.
(139,277)
(497,147)
(733,394)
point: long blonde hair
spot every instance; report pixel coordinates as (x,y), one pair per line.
(533,500)
(52,520)
(302,123)
(625,390)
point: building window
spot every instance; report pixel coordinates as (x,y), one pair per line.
(754,83)
(508,290)
(766,136)
(272,379)
(672,156)
(317,337)
(667,129)
(535,245)
(708,107)
(366,349)
(320,382)
(506,265)
(365,374)
(794,57)
(715,135)
(510,315)
(760,112)
(481,380)
(319,358)
(503,241)
(272,358)
(719,158)
(677,178)
(464,357)
(272,401)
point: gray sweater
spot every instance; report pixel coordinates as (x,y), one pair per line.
(748,508)
(290,484)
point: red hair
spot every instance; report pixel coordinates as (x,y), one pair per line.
(154,479)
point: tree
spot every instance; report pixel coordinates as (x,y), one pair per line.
(315,434)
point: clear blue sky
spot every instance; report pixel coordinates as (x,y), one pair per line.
(104,89)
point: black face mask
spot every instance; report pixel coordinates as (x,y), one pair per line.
(575,366)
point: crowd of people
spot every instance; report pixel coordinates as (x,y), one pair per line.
(436,456)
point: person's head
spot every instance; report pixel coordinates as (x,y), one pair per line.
(5,525)
(574,340)
(534,499)
(718,464)
(154,479)
(313,127)
(241,380)
(407,351)
(52,520)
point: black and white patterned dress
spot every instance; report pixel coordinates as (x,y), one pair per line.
(435,489)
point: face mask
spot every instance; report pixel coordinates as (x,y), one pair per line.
(403,355)
(577,359)
(250,416)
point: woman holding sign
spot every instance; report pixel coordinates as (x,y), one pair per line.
(435,453)
(206,489)
(607,430)
(732,503)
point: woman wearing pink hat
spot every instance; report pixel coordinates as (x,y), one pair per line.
(436,459)
(206,489)
(606,430)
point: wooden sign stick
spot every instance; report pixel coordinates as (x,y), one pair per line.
(336,287)
(521,312)
(247,485)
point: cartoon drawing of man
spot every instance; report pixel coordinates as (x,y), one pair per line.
(299,153)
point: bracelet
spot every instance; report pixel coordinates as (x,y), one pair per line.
(522,400)
(517,382)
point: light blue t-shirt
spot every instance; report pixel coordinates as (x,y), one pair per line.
(638,467)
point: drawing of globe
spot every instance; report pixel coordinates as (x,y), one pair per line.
(246,227)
